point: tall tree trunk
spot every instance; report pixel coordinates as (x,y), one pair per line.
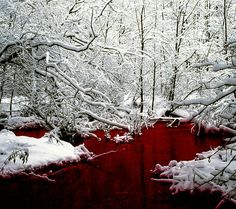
(2,84)
(225,26)
(207,21)
(154,84)
(162,85)
(173,85)
(12,96)
(142,42)
(177,49)
(154,63)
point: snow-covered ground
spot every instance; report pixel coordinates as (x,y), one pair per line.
(211,171)
(18,122)
(21,153)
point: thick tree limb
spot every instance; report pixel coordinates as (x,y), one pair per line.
(207,102)
(96,117)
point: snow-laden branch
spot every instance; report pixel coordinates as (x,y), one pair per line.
(226,82)
(227,130)
(230,115)
(103,120)
(59,74)
(7,57)
(6,46)
(69,82)
(222,66)
(231,43)
(67,46)
(207,102)
(73,83)
(203,64)
(212,171)
(103,9)
(217,66)
(54,71)
(62,45)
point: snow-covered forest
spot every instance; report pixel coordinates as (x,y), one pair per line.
(81,65)
(73,63)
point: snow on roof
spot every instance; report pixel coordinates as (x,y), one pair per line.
(20,153)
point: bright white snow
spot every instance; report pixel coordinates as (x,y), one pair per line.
(18,122)
(214,170)
(20,153)
(123,138)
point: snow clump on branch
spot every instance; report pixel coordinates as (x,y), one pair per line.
(211,171)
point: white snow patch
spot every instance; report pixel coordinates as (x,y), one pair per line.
(182,113)
(123,139)
(17,104)
(24,122)
(19,153)
(214,170)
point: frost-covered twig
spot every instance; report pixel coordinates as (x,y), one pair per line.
(211,171)
(22,154)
